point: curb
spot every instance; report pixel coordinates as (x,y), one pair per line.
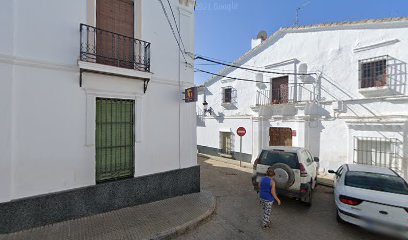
(176,231)
(325,182)
(226,160)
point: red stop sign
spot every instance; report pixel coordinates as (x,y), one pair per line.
(241,131)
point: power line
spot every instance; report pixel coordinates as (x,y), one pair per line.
(251,69)
(172,29)
(233,78)
(178,30)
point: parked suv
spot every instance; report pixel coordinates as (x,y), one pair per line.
(295,171)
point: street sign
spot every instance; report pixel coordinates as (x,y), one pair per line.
(241,131)
(190,95)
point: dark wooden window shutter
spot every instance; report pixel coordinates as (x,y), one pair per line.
(115,16)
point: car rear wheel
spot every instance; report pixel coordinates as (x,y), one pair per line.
(307,199)
(284,175)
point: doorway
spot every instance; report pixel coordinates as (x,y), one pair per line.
(114,139)
(115,33)
(280,90)
(226,143)
(280,136)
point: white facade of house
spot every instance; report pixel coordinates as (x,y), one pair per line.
(47,120)
(330,112)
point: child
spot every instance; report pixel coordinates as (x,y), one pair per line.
(267,194)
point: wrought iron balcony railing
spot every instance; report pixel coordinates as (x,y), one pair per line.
(284,95)
(105,47)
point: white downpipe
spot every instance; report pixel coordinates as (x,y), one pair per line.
(179,92)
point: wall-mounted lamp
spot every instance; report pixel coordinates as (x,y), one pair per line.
(206,109)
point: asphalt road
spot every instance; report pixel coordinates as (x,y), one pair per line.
(238,213)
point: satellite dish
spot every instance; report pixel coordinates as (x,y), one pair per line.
(262,35)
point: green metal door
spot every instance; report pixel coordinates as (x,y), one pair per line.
(114,139)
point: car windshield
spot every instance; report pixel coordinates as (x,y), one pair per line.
(271,157)
(376,182)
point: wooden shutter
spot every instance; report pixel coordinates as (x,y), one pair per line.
(116,46)
(280,137)
(280,90)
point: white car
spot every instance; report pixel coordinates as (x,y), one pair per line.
(374,198)
(295,171)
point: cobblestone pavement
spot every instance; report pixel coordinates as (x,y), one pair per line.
(238,211)
(145,221)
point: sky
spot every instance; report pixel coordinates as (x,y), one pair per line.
(224,28)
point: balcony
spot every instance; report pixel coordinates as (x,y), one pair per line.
(285,95)
(112,49)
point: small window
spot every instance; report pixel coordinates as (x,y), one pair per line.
(373,72)
(227,95)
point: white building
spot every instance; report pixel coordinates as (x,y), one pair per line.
(339,89)
(91,110)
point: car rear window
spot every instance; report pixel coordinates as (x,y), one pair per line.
(376,182)
(271,157)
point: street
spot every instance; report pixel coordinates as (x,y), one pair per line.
(238,211)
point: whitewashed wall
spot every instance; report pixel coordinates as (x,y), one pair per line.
(333,52)
(43,140)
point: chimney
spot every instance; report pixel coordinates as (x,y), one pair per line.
(262,36)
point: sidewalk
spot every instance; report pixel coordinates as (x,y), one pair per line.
(322,179)
(158,220)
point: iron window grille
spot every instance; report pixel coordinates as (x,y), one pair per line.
(381,152)
(373,72)
(114,139)
(229,95)
(109,48)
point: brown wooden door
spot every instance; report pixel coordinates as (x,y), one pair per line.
(280,90)
(280,136)
(115,45)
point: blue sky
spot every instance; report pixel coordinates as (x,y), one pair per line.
(224,28)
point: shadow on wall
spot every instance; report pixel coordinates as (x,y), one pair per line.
(200,117)
(220,117)
(397,73)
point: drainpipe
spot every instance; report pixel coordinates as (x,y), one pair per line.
(180,97)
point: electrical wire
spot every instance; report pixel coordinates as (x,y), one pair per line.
(254,70)
(172,29)
(233,78)
(178,30)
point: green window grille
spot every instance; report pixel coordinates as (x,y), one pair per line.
(114,139)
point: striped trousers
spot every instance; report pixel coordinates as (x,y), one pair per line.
(267,208)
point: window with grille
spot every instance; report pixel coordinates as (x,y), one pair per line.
(227,95)
(114,139)
(382,152)
(373,72)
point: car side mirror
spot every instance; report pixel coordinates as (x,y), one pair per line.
(316,159)
(333,172)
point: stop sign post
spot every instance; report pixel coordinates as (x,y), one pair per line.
(241,131)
